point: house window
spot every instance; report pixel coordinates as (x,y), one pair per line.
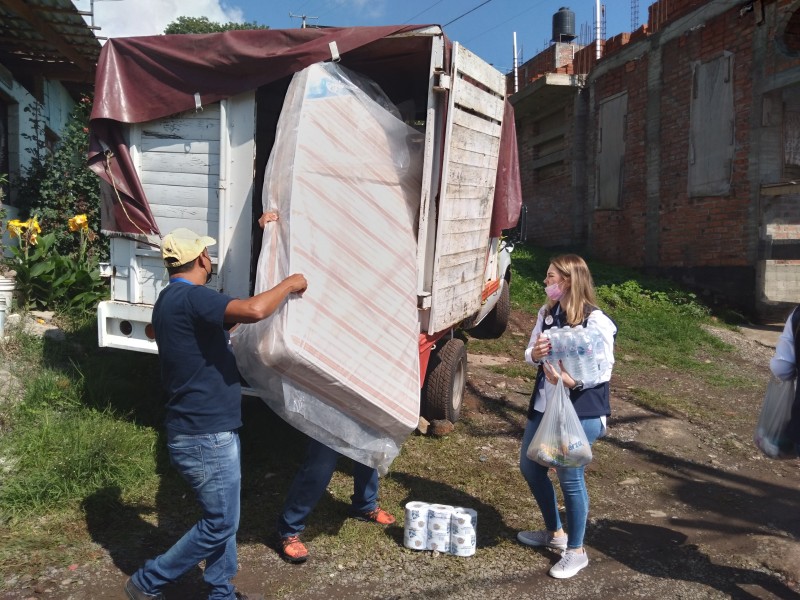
(611,150)
(711,128)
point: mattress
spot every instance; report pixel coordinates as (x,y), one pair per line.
(340,362)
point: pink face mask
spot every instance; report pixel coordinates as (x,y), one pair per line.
(554,292)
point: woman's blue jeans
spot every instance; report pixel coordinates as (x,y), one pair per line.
(310,482)
(573,484)
(210,464)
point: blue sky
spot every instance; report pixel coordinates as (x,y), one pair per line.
(487,30)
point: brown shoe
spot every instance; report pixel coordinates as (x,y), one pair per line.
(293,550)
(377,515)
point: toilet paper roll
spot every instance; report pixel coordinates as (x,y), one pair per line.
(462,530)
(440,511)
(463,545)
(468,550)
(461,526)
(439,542)
(415,539)
(462,514)
(439,525)
(416,515)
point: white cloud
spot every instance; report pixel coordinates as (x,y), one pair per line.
(122,18)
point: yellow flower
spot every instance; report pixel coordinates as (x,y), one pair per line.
(78,222)
(32,237)
(15,227)
(33,223)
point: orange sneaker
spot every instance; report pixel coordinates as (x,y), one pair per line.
(377,515)
(293,550)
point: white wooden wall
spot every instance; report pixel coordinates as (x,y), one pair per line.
(475,116)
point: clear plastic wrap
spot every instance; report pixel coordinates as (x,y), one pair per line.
(340,363)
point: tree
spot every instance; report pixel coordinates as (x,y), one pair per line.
(203,25)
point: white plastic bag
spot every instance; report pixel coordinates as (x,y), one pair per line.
(560,440)
(771,435)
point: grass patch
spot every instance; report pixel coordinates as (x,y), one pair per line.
(665,404)
(523,371)
(69,455)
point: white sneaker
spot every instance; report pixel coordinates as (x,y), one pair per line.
(542,538)
(571,562)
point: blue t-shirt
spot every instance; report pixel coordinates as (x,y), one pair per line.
(198,367)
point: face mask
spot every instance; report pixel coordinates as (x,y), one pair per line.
(554,292)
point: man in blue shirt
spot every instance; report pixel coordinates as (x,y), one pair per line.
(204,413)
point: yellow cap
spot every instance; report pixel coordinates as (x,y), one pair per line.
(182,245)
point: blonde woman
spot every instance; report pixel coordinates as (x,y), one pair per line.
(570,302)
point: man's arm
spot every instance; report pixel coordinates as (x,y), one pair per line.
(260,306)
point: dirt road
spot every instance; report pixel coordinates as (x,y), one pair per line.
(683,506)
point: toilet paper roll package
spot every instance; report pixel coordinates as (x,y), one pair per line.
(449,529)
(340,362)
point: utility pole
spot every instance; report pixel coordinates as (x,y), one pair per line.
(303,17)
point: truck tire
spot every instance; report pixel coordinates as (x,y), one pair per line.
(443,392)
(495,323)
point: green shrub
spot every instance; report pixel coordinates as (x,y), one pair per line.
(58,184)
(47,279)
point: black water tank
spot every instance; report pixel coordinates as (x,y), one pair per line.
(564,25)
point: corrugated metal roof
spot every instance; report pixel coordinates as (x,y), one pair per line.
(47,38)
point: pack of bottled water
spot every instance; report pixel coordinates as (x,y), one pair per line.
(576,348)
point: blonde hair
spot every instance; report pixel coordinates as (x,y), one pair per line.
(581,299)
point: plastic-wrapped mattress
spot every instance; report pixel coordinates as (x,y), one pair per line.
(340,363)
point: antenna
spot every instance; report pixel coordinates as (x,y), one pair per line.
(303,17)
(634,15)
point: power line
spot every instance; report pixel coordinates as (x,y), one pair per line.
(466,13)
(485,31)
(422,12)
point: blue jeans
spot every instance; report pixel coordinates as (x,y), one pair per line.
(573,484)
(310,482)
(210,465)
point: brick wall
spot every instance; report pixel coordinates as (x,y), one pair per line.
(619,235)
(692,232)
(664,12)
(728,245)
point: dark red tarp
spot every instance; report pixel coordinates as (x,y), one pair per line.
(145,78)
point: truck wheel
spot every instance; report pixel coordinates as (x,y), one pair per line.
(443,392)
(496,322)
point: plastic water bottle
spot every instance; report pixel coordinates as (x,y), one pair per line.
(592,341)
(546,335)
(572,364)
(557,345)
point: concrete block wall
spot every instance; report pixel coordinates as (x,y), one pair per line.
(781,281)
(547,195)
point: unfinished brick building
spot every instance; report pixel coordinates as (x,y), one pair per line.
(678,151)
